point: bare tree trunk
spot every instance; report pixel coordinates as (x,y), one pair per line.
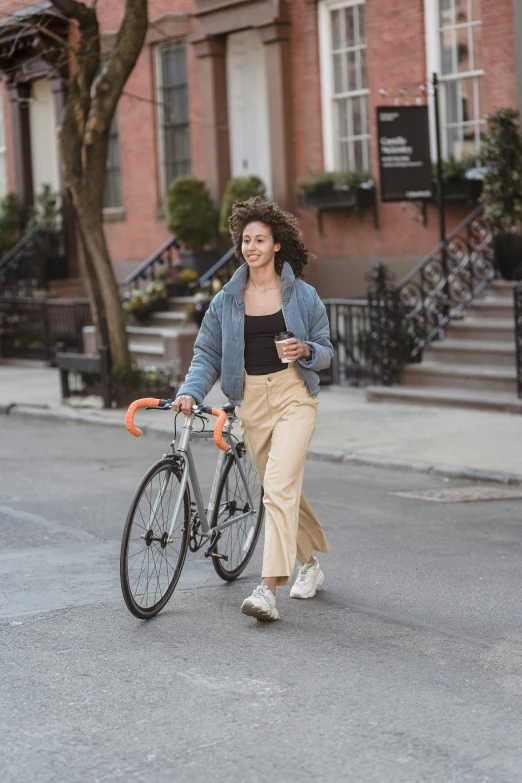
(94,294)
(114,316)
(84,137)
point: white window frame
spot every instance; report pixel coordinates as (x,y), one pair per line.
(434,65)
(158,86)
(327,82)
(4,187)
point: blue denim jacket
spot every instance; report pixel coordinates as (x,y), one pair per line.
(219,349)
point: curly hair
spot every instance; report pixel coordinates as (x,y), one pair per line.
(283,225)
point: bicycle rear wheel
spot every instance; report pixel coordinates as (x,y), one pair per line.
(150,560)
(238,541)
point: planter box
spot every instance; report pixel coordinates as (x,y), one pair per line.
(142,314)
(199,260)
(508,255)
(329,198)
(176,289)
(460,191)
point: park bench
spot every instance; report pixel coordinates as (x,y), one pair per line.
(84,364)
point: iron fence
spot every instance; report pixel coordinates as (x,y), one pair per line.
(408,316)
(35,260)
(445,283)
(30,328)
(518,335)
(350,333)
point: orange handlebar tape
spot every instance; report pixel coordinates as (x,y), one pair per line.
(218,429)
(145,402)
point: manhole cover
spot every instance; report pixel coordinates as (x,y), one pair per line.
(464,494)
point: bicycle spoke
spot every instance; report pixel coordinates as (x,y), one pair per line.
(234,502)
(153,559)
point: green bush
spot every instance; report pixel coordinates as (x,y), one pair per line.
(46,209)
(238,189)
(338,180)
(501,155)
(10,220)
(192,215)
(188,276)
(454,171)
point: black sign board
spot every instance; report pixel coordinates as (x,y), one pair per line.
(404,153)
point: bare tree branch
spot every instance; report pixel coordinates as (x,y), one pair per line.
(121,61)
(75,10)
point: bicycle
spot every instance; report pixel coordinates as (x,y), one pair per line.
(163,522)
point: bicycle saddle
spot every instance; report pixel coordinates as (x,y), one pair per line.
(228,408)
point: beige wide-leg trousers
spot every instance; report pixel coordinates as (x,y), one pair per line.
(277,422)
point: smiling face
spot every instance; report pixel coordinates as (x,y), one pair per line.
(258,245)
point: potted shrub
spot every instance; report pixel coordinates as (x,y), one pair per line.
(193,219)
(501,155)
(196,312)
(177,279)
(140,304)
(150,381)
(238,189)
(187,276)
(337,190)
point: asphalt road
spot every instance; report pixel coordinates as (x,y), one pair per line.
(406,668)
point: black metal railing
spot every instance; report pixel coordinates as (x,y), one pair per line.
(222,270)
(30,328)
(167,257)
(35,260)
(350,333)
(164,257)
(408,316)
(518,335)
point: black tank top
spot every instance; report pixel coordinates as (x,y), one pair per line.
(260,352)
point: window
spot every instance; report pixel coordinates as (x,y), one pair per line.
(173,113)
(344,85)
(113,196)
(460,47)
(3,152)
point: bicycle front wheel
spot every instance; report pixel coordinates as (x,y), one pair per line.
(238,541)
(152,556)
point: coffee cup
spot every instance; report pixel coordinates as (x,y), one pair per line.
(280,341)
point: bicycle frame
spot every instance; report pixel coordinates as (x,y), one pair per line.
(184,453)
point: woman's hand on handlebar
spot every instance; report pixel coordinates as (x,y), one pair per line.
(184,404)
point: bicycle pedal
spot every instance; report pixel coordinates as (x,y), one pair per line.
(221,557)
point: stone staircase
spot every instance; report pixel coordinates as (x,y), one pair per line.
(473,366)
(166,340)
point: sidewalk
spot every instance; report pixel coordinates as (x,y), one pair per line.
(452,442)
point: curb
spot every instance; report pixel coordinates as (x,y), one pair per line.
(334,456)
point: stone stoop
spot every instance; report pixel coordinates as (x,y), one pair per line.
(167,339)
(474,366)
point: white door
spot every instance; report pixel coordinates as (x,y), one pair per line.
(44,141)
(248,107)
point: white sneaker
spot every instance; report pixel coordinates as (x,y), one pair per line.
(309,578)
(261,604)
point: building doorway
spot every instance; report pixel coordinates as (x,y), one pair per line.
(248,121)
(43,136)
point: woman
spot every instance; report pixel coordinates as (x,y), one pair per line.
(276,402)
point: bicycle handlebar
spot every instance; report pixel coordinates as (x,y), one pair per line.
(218,429)
(133,407)
(150,402)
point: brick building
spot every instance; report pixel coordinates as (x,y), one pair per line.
(279,88)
